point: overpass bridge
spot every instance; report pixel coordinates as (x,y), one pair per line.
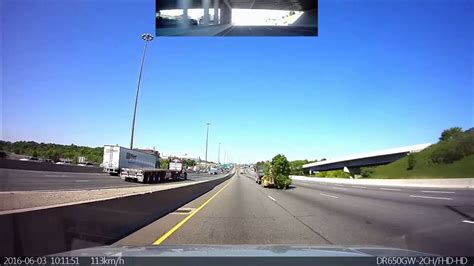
(353,163)
(224,17)
(295,5)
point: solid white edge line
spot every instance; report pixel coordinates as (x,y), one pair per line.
(271,198)
(434,191)
(394,189)
(326,195)
(341,188)
(467,221)
(358,187)
(426,197)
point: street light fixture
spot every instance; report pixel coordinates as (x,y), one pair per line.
(147,38)
(207,138)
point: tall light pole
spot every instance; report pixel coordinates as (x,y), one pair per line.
(219,154)
(207,138)
(147,38)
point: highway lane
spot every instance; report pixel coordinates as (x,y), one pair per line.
(26,180)
(269,31)
(246,213)
(431,196)
(350,216)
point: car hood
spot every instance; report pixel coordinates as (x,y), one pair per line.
(242,251)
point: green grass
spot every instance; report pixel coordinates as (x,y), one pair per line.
(452,157)
(463,168)
(333,174)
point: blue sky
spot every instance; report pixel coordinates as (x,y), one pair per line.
(381,74)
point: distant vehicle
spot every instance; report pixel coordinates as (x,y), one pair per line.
(116,158)
(190,169)
(176,164)
(87,164)
(29,159)
(81,160)
(259,173)
(48,161)
(175,171)
(213,171)
(62,162)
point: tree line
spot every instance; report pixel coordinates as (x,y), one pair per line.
(164,163)
(53,151)
(296,166)
(56,152)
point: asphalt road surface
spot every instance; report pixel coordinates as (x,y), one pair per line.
(25,180)
(269,31)
(239,211)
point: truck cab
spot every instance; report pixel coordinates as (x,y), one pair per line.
(259,173)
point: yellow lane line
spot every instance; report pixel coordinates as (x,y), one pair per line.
(177,226)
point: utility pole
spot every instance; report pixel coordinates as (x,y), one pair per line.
(207,139)
(219,154)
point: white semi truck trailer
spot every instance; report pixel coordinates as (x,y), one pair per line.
(133,165)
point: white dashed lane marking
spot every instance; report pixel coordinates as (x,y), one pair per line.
(393,189)
(426,197)
(326,195)
(434,191)
(271,198)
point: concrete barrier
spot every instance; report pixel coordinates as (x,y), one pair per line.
(54,230)
(42,166)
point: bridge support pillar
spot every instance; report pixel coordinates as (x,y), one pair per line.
(205,6)
(353,171)
(184,4)
(226,14)
(216,12)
